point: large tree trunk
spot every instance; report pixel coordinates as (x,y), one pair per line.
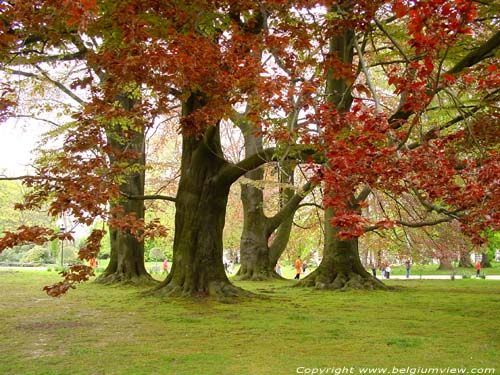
(127,252)
(259,254)
(254,250)
(199,220)
(340,268)
(465,258)
(485,261)
(445,264)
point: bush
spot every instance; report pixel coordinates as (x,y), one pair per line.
(156,254)
(15,254)
(38,254)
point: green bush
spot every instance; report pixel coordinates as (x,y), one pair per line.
(156,254)
(38,254)
(15,254)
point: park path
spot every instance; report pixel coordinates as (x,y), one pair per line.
(438,277)
(394,277)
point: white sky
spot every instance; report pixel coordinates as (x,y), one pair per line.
(17,140)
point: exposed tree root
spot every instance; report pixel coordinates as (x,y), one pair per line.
(218,290)
(256,275)
(126,279)
(342,281)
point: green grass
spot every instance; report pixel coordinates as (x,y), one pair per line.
(432,269)
(115,330)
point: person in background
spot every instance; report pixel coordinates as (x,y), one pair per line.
(388,271)
(165,265)
(478,268)
(298,267)
(408,267)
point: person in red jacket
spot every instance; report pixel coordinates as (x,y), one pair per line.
(478,268)
(298,267)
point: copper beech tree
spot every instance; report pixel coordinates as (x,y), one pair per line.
(386,94)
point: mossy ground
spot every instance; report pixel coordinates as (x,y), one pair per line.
(117,330)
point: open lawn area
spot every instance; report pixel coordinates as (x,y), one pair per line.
(116,330)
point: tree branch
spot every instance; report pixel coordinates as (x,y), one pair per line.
(482,52)
(231,172)
(291,206)
(149,197)
(419,224)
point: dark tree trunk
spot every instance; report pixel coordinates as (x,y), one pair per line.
(127,252)
(340,268)
(199,220)
(259,255)
(254,250)
(465,261)
(445,264)
(485,261)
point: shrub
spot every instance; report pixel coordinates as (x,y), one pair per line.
(156,254)
(38,254)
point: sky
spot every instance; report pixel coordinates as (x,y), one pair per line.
(17,141)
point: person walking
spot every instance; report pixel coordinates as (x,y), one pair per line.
(408,267)
(298,267)
(478,268)
(165,265)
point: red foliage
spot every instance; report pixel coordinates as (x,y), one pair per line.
(209,55)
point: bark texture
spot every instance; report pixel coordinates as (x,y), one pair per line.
(127,252)
(445,264)
(485,261)
(465,260)
(260,254)
(340,268)
(199,219)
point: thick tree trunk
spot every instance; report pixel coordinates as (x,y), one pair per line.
(254,250)
(340,268)
(445,264)
(199,220)
(485,261)
(465,260)
(127,253)
(258,255)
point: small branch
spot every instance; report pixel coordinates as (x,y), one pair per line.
(367,75)
(419,224)
(393,41)
(310,204)
(149,197)
(60,86)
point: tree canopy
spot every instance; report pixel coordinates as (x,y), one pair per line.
(394,96)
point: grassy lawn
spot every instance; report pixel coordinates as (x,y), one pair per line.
(115,330)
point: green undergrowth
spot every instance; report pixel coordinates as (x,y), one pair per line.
(117,330)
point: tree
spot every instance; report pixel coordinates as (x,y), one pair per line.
(358,162)
(114,154)
(204,57)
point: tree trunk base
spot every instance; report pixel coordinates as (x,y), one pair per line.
(126,279)
(257,276)
(342,281)
(218,290)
